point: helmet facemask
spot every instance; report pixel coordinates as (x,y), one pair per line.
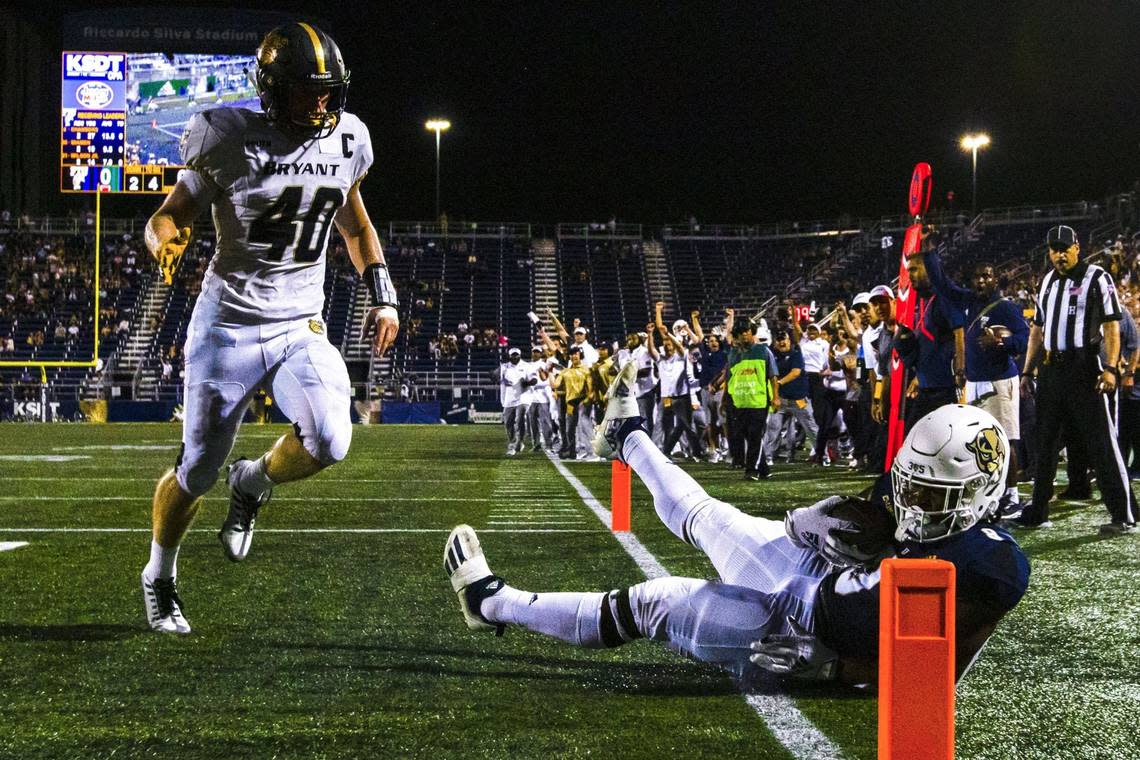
(949,474)
(927,509)
(286,74)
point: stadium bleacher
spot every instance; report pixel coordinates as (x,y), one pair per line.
(467,290)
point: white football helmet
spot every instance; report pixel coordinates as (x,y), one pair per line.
(949,474)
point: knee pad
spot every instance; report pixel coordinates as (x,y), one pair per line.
(332,441)
(651,601)
(196,474)
(213,410)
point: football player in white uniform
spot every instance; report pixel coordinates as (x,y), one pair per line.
(798,598)
(275,181)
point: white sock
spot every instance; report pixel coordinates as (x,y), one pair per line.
(1011,493)
(252,477)
(567,616)
(163,562)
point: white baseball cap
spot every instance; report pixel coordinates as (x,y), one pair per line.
(861,298)
(882,291)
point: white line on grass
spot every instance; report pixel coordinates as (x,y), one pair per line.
(305,499)
(7,546)
(301,530)
(38,479)
(790,727)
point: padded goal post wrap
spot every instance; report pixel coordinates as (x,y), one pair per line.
(916,659)
(380,285)
(620,484)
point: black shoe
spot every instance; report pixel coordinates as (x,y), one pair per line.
(1075,494)
(1022,523)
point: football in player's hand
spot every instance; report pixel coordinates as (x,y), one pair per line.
(844,530)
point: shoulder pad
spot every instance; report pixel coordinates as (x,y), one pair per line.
(211,143)
(361,144)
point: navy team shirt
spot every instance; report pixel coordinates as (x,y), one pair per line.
(982,364)
(785,362)
(992,572)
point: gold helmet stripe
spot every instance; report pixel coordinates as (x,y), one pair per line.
(317,47)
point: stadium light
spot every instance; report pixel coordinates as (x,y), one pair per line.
(972,143)
(438,126)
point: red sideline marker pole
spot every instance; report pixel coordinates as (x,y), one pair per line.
(916,660)
(619,496)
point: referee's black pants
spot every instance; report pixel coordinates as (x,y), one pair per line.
(1067,396)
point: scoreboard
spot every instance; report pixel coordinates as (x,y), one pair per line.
(94,139)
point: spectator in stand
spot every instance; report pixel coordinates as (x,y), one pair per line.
(995,333)
(793,405)
(935,350)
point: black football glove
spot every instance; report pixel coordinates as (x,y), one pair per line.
(844,530)
(798,654)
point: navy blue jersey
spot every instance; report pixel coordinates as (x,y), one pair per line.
(982,364)
(992,574)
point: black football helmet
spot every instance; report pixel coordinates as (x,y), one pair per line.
(299,58)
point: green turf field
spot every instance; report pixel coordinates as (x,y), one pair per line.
(333,643)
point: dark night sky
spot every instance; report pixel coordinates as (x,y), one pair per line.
(576,111)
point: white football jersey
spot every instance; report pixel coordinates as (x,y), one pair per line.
(273,200)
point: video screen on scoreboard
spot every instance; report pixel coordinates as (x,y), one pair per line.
(122,114)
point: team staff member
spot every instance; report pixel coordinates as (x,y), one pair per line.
(995,333)
(793,405)
(935,349)
(573,386)
(752,386)
(713,360)
(1076,304)
(814,348)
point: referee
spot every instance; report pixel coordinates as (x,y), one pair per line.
(1076,304)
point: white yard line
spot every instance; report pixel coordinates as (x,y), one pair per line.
(302,531)
(7,546)
(305,499)
(790,727)
(39,479)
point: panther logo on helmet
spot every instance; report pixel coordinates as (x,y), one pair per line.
(989,450)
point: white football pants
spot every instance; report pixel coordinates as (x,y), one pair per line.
(226,362)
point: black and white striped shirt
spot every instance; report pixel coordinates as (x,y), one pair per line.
(1072,307)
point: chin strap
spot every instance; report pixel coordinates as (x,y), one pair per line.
(380,286)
